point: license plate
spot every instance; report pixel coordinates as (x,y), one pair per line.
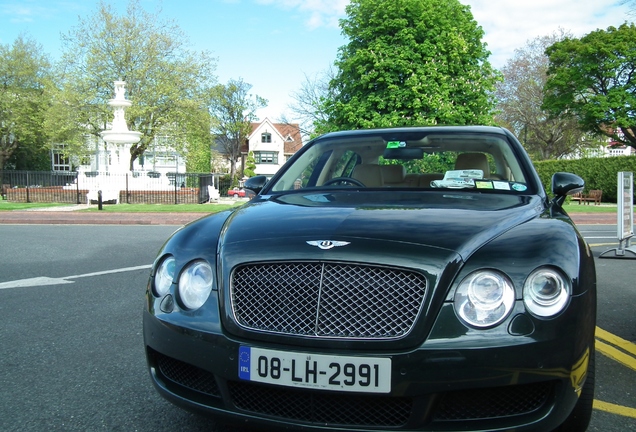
(323,372)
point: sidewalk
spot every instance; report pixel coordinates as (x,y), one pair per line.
(66,216)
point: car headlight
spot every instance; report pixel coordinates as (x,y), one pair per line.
(546,292)
(484,298)
(164,276)
(195,284)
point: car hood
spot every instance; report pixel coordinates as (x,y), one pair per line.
(454,221)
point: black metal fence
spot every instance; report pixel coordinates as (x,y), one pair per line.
(147,187)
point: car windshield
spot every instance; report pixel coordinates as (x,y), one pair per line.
(433,159)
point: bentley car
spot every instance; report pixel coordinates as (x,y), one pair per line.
(408,279)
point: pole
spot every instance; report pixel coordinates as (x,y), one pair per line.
(27,187)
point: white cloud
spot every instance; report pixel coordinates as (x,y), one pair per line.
(19,13)
(321,13)
(510,24)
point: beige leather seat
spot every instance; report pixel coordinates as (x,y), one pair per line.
(369,174)
(393,175)
(478,161)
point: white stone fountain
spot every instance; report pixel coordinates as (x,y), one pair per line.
(118,140)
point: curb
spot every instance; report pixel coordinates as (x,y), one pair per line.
(75,218)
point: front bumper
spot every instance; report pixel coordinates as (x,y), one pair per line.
(468,382)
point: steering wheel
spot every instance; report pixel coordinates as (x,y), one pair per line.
(344,180)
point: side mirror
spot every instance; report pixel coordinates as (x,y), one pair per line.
(564,184)
(256,184)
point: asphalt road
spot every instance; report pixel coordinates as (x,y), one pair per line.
(71,349)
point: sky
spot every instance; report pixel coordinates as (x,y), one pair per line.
(274,45)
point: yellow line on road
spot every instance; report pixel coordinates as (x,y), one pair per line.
(623,356)
(616,348)
(603,244)
(614,409)
(615,340)
(616,355)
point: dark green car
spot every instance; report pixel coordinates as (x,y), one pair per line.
(412,279)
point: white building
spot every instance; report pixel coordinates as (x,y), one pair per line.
(272,144)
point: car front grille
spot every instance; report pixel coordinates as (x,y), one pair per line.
(321,408)
(327,300)
(186,375)
(494,402)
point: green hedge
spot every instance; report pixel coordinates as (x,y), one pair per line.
(598,173)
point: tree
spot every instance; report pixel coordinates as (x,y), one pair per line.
(411,62)
(233,109)
(250,165)
(592,79)
(24,100)
(309,103)
(632,6)
(166,81)
(519,99)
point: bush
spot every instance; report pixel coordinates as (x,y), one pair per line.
(598,173)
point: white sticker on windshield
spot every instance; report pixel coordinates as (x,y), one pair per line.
(501,185)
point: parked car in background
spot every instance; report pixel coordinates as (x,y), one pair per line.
(236,193)
(411,279)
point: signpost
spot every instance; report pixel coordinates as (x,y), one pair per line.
(625,218)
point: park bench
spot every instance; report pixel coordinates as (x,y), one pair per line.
(593,195)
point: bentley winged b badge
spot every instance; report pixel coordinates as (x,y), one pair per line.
(327,244)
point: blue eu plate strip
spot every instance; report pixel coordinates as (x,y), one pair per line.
(244,362)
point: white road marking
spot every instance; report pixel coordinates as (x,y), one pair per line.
(43,280)
(121,270)
(37,281)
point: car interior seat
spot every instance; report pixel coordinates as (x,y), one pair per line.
(369,174)
(466,161)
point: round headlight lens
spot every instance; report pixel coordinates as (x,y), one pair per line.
(164,275)
(195,284)
(484,298)
(546,292)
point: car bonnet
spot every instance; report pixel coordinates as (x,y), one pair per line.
(453,221)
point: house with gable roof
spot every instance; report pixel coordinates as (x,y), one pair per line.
(272,144)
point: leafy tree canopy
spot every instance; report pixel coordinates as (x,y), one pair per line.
(411,62)
(24,100)
(166,81)
(519,99)
(233,108)
(592,79)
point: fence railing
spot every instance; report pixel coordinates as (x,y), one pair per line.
(144,187)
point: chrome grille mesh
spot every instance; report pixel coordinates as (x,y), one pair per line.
(332,300)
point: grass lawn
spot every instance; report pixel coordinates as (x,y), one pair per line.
(5,205)
(583,208)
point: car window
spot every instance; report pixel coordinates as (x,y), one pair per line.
(472,161)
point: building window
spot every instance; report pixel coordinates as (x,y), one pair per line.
(266,157)
(266,137)
(59,161)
